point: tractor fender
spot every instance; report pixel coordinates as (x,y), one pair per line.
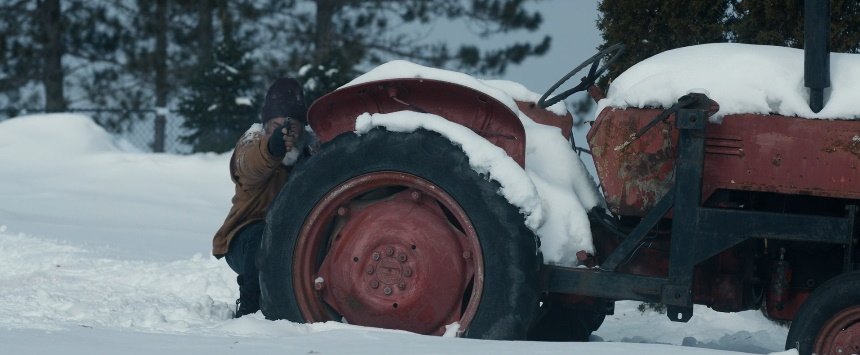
(335,113)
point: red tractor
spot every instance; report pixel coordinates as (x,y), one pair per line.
(395,230)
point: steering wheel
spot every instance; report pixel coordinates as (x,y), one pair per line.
(596,70)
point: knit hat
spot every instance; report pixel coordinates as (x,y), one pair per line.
(285,98)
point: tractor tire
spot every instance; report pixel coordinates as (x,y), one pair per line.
(395,230)
(829,321)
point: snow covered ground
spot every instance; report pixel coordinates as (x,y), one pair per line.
(106,250)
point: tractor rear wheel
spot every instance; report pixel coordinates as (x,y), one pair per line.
(828,323)
(395,230)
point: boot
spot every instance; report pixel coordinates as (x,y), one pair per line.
(244,307)
(249,296)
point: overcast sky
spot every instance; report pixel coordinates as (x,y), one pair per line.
(572,24)
(573,27)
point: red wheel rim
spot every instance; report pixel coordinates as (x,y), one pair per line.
(840,334)
(389,250)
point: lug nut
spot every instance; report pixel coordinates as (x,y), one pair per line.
(467,254)
(342,211)
(401,257)
(389,251)
(375,256)
(415,195)
(401,285)
(407,272)
(369,270)
(319,285)
(387,290)
(374,284)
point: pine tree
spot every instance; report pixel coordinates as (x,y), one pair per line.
(337,39)
(780,23)
(118,54)
(650,27)
(327,45)
(223,101)
(18,54)
(772,22)
(32,45)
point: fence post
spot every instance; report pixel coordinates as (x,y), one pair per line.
(160,123)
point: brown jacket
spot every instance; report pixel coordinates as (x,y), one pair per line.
(258,177)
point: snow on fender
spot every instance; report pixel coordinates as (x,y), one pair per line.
(484,157)
(550,204)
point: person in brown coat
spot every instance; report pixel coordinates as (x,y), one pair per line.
(259,168)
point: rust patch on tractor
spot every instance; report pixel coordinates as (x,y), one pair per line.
(837,144)
(854,146)
(636,164)
(542,116)
(634,178)
(767,153)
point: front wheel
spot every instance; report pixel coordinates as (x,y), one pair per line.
(828,323)
(395,230)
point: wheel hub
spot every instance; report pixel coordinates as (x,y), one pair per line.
(840,335)
(398,263)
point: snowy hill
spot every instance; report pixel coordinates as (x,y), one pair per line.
(106,250)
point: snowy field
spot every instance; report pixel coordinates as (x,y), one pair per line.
(107,250)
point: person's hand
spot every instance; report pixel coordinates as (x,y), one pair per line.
(291,132)
(276,145)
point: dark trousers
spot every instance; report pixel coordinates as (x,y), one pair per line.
(242,257)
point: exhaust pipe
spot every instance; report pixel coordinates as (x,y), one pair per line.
(816,46)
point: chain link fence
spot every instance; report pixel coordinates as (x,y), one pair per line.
(143,133)
(141,130)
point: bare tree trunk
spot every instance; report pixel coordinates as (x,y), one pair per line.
(50,19)
(160,75)
(226,22)
(324,31)
(205,30)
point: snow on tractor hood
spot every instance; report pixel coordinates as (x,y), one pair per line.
(553,192)
(742,78)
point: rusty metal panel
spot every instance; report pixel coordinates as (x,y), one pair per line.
(542,116)
(635,178)
(787,155)
(768,153)
(335,113)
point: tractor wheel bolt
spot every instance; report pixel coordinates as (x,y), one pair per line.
(467,254)
(369,270)
(415,195)
(374,284)
(342,211)
(387,290)
(319,285)
(401,257)
(389,251)
(401,285)
(375,256)
(407,272)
